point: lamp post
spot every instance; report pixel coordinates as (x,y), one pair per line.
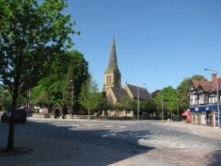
(138,102)
(162,117)
(217,93)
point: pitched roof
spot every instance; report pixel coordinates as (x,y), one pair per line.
(207,86)
(197,83)
(143,93)
(219,83)
(118,92)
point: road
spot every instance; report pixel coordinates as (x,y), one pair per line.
(117,143)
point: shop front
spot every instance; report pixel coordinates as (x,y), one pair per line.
(204,115)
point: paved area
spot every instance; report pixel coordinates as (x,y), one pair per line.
(173,152)
(191,155)
(115,143)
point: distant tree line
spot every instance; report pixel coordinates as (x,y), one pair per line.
(69,74)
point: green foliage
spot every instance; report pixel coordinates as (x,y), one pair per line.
(126,103)
(39,96)
(5,98)
(57,86)
(90,98)
(75,78)
(147,105)
(104,104)
(30,36)
(169,98)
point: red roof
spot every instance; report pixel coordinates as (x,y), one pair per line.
(206,85)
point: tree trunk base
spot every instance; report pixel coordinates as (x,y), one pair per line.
(15,151)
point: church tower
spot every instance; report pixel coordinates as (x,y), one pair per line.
(112,76)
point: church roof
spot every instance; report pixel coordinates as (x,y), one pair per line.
(130,91)
(118,92)
(113,66)
(143,93)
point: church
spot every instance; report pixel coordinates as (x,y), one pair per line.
(112,82)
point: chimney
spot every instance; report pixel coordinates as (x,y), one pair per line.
(214,77)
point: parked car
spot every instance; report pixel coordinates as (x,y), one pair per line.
(20,116)
(177,118)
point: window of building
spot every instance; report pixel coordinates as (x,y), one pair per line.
(201,99)
(108,80)
(212,98)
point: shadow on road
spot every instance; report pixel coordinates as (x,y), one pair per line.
(214,158)
(70,145)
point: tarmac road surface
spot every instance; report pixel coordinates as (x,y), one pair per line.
(117,143)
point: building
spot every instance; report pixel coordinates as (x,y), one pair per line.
(204,103)
(112,76)
(112,82)
(113,89)
(135,92)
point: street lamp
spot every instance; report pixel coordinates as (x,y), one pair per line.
(217,93)
(138,101)
(162,116)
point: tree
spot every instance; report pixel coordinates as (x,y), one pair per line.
(39,96)
(90,98)
(57,84)
(169,98)
(2,98)
(147,105)
(105,104)
(126,103)
(182,90)
(76,77)
(30,35)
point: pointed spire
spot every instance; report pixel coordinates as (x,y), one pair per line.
(112,76)
(112,66)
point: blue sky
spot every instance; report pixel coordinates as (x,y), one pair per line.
(158,42)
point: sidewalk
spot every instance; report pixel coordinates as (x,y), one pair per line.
(206,131)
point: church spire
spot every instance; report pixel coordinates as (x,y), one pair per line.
(113,66)
(112,76)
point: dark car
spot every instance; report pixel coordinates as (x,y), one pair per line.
(20,116)
(177,119)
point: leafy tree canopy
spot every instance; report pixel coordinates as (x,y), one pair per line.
(30,36)
(147,105)
(90,98)
(169,96)
(76,77)
(68,69)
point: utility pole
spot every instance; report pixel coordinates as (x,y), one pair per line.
(162,116)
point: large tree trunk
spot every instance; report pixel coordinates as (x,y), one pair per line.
(10,145)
